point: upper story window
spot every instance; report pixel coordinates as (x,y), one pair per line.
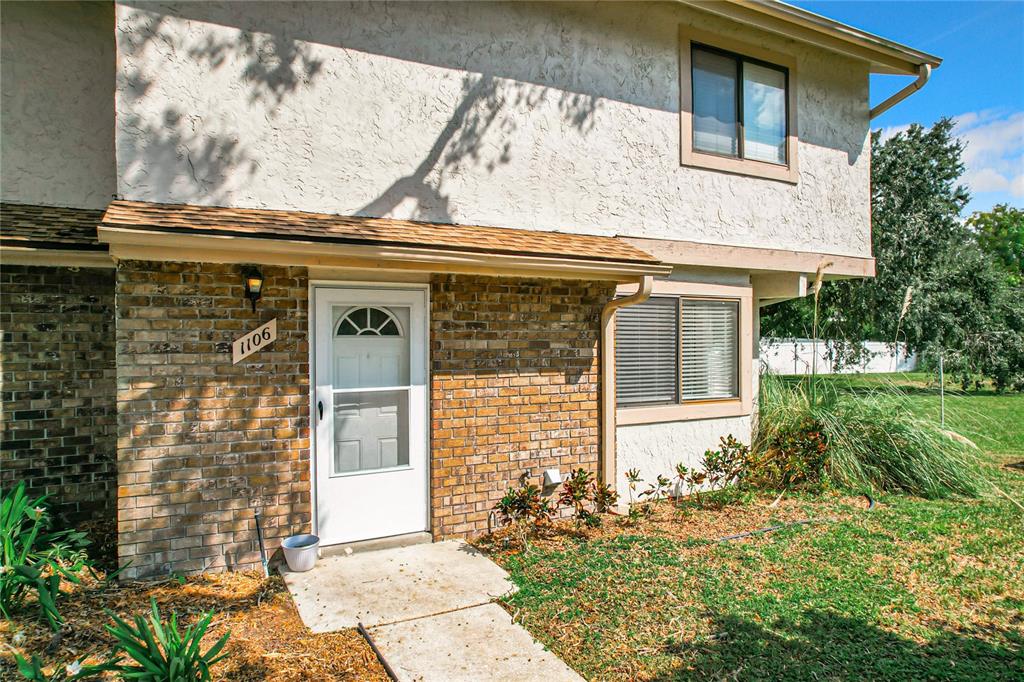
(737,107)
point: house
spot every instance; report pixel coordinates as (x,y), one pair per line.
(363,266)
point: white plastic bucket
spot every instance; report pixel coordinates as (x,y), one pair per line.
(300,552)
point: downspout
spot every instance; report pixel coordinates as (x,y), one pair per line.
(924,72)
(607,463)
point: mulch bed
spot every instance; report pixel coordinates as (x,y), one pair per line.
(687,522)
(268,639)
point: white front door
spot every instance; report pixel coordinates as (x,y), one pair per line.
(370,412)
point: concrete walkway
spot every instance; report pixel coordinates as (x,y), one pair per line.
(429,610)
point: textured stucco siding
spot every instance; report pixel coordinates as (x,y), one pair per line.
(57,101)
(657,448)
(545,116)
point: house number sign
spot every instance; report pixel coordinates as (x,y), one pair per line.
(249,343)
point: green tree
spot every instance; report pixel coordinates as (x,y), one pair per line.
(1000,232)
(936,289)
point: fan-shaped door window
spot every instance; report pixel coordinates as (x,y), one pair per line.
(369,322)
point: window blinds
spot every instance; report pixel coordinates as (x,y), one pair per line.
(671,350)
(646,350)
(709,349)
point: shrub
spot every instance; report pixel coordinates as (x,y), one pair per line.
(33,558)
(577,492)
(523,509)
(858,441)
(162,653)
(605,497)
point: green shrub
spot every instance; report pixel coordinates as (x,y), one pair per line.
(33,558)
(163,654)
(524,509)
(861,441)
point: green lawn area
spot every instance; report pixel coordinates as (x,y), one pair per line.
(913,589)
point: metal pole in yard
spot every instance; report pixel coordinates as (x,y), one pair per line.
(942,394)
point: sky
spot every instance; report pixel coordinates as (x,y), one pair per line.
(980,82)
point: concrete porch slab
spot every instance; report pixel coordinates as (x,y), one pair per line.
(391,585)
(478,643)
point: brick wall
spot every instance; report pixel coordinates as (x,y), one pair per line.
(201,440)
(514,386)
(57,357)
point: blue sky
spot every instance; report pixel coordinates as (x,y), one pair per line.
(980,82)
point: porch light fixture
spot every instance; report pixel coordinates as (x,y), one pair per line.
(253,285)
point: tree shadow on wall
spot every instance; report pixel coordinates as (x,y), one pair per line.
(488,103)
(184,157)
(820,645)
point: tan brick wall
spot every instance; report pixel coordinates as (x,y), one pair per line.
(57,360)
(200,440)
(514,386)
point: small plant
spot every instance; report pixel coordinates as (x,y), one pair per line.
(524,510)
(162,653)
(633,479)
(34,670)
(605,497)
(659,489)
(576,493)
(725,465)
(34,559)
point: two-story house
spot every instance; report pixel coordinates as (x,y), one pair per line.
(363,266)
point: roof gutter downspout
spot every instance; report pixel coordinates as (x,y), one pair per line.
(924,72)
(606,465)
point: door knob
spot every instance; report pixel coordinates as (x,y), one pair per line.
(320,407)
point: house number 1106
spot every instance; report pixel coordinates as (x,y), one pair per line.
(250,342)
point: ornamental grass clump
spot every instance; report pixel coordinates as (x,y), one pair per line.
(865,441)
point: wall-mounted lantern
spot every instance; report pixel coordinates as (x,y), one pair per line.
(253,285)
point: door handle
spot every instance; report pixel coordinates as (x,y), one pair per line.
(320,407)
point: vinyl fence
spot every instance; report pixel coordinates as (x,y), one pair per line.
(794,356)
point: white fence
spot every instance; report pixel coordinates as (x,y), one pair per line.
(794,356)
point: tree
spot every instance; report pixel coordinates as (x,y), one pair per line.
(1000,232)
(936,289)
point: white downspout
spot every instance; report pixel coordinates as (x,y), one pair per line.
(606,465)
(924,72)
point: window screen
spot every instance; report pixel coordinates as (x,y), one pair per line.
(671,350)
(646,352)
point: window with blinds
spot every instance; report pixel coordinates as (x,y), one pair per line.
(646,352)
(674,350)
(709,354)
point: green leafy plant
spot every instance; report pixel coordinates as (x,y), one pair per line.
(162,653)
(724,465)
(576,494)
(34,558)
(868,440)
(524,510)
(34,669)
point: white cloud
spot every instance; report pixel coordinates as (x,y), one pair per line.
(892,131)
(994,154)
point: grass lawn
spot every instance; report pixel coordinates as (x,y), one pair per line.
(913,589)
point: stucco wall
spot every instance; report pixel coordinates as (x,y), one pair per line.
(547,116)
(657,448)
(57,97)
